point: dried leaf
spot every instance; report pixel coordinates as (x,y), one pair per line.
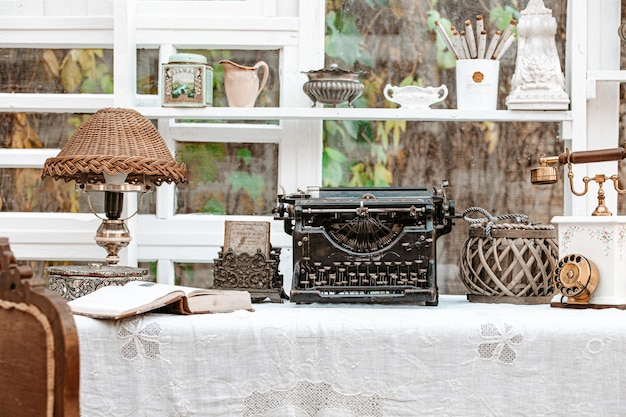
(397,9)
(70,74)
(87,60)
(491,136)
(52,62)
(27,181)
(20,119)
(382,176)
(23,135)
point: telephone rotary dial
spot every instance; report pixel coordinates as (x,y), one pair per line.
(576,278)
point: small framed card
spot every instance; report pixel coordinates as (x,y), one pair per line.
(247,237)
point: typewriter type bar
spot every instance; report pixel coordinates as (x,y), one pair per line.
(365,245)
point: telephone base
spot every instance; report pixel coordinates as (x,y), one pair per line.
(561,302)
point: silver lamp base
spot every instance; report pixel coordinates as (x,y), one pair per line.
(73,282)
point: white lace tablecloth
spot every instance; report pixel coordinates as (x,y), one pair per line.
(456,359)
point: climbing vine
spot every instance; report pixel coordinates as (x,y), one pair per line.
(395,43)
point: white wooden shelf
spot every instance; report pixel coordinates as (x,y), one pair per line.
(607,75)
(596,76)
(90,103)
(26,158)
(54,103)
(344,113)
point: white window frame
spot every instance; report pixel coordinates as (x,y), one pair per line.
(294,27)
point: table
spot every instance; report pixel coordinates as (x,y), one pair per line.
(456,359)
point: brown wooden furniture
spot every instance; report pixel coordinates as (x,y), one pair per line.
(39,352)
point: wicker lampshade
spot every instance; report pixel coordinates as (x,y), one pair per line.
(112,141)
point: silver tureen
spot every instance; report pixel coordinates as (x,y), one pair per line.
(333,85)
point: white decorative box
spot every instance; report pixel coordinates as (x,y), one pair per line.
(602,240)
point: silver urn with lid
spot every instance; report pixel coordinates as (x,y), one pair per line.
(333,85)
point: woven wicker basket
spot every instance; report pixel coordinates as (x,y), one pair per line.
(513,266)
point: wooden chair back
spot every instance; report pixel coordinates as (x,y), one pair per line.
(39,352)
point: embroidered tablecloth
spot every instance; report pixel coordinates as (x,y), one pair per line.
(456,359)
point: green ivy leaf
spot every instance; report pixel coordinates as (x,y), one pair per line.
(501,16)
(90,85)
(359,176)
(203,158)
(251,184)
(333,174)
(408,80)
(214,206)
(343,39)
(433,16)
(245,155)
(382,176)
(378,153)
(351,128)
(335,155)
(331,127)
(374,4)
(333,167)
(366,59)
(106,84)
(445,59)
(344,47)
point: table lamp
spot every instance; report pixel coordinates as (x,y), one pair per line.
(116,151)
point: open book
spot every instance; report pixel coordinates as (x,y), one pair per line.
(137,297)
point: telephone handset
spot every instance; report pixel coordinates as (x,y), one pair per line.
(576,278)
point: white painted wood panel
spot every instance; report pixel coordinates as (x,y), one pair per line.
(56,7)
(25,158)
(593,46)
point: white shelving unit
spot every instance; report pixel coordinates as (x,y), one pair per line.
(293,26)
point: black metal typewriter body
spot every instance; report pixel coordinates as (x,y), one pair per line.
(365,245)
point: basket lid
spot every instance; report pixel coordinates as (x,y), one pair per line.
(513,230)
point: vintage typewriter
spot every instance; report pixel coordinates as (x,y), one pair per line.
(365,245)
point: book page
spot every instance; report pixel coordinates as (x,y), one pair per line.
(136,297)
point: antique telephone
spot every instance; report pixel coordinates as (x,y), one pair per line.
(547,173)
(575,278)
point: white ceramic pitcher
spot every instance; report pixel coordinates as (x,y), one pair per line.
(242,83)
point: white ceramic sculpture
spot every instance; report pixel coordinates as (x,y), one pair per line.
(415,97)
(538,82)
